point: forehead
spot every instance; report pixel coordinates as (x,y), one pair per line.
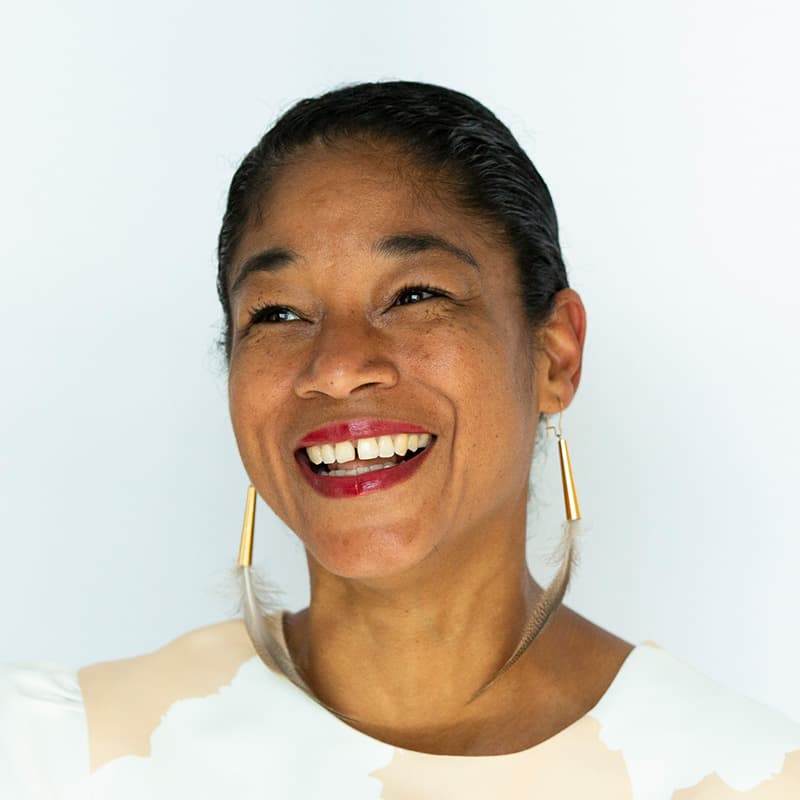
(332,198)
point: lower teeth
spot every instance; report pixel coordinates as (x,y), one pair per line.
(340,473)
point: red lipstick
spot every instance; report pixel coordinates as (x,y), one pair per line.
(356,485)
(350,430)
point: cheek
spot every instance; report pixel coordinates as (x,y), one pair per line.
(251,391)
(485,361)
(487,377)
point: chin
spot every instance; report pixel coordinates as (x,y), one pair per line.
(370,554)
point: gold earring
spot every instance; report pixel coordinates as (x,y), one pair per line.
(265,630)
(571,506)
(246,543)
(552,596)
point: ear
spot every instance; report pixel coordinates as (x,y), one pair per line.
(559,356)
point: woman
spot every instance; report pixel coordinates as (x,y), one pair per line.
(398,327)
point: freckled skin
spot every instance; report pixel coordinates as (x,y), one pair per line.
(420,591)
(449,365)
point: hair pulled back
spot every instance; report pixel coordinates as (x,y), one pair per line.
(446,131)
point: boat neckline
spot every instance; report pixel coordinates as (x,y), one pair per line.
(610,690)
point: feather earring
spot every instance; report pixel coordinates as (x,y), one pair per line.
(566,553)
(263,627)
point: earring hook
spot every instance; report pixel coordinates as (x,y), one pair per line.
(548,427)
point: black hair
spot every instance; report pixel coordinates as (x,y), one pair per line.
(446,131)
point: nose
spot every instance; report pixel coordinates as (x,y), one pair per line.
(346,357)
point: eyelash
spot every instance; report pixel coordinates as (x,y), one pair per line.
(418,287)
(260,314)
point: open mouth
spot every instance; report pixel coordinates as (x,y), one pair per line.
(350,458)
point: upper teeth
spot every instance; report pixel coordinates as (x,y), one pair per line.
(376,447)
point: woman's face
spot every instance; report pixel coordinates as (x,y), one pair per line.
(365,307)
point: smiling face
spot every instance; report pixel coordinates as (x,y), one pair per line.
(366,308)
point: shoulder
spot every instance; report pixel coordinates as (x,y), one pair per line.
(125,700)
(43,730)
(58,724)
(708,740)
(28,685)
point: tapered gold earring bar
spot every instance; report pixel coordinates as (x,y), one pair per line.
(571,505)
(246,544)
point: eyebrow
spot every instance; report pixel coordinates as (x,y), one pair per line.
(400,244)
(407,244)
(267,261)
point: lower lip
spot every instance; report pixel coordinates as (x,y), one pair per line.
(356,485)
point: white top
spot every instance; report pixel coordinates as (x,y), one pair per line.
(661,730)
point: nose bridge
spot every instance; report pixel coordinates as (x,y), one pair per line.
(346,355)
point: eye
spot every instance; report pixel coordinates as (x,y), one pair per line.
(416,294)
(272,315)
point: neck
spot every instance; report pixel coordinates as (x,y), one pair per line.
(405,654)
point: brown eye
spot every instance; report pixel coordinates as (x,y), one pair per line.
(416,294)
(272,314)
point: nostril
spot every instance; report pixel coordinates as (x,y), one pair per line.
(369,385)
(344,374)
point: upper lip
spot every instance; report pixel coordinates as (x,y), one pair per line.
(361,428)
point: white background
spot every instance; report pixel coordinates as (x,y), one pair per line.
(668,134)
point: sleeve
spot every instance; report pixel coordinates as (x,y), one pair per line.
(685,736)
(44,750)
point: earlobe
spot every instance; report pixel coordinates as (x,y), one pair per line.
(560,356)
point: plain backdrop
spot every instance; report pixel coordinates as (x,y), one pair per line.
(669,136)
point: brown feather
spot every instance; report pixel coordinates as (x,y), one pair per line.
(264,629)
(548,601)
